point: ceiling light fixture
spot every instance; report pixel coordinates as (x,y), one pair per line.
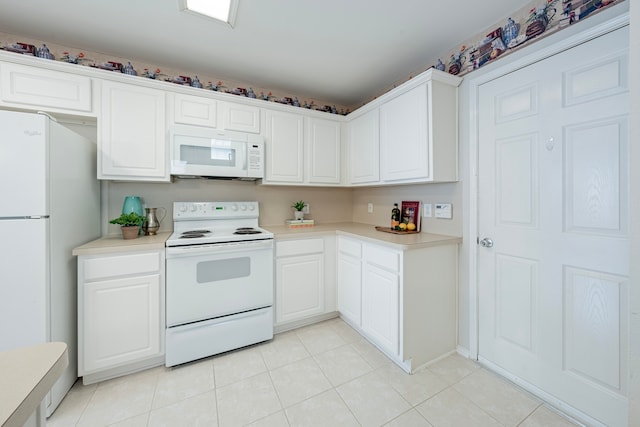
(220,10)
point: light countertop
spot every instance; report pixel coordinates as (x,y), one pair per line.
(115,243)
(28,373)
(367,232)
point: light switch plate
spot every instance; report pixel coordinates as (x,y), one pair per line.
(443,210)
(306,208)
(370,207)
(426,210)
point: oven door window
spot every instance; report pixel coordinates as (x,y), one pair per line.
(217,270)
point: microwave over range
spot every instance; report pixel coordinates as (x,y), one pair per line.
(202,152)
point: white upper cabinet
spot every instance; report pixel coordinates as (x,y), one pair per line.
(301,150)
(239,117)
(418,132)
(194,110)
(132,141)
(322,152)
(44,89)
(364,148)
(284,147)
(404,152)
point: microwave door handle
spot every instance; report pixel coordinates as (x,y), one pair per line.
(244,157)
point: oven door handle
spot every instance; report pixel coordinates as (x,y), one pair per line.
(218,248)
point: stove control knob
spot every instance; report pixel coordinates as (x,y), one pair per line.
(194,208)
(252,208)
(183,208)
(243,207)
(234,207)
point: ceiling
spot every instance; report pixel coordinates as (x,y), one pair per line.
(341,51)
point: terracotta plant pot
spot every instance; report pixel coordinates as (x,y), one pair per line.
(130,232)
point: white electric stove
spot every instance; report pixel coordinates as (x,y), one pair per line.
(219,280)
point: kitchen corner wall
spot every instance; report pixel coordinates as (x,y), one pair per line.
(327,204)
(383,199)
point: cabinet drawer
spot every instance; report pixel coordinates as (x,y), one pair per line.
(350,247)
(382,257)
(299,247)
(45,88)
(121,265)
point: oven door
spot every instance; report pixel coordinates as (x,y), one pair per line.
(209,281)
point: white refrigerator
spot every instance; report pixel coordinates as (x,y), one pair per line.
(49,204)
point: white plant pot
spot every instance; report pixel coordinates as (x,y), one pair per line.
(298,214)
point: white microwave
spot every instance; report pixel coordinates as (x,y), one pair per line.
(202,152)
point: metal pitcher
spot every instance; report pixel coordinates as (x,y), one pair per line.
(152,223)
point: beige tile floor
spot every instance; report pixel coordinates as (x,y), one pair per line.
(321,375)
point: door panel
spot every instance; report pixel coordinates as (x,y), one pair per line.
(553,197)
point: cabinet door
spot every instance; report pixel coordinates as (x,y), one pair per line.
(44,88)
(323,152)
(131,133)
(121,321)
(284,140)
(349,291)
(404,142)
(195,110)
(364,148)
(240,117)
(380,307)
(299,287)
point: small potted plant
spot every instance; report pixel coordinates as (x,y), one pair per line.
(299,206)
(130,224)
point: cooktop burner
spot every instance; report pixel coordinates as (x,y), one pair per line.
(247,231)
(191,235)
(196,232)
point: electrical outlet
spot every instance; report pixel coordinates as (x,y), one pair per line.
(443,210)
(370,207)
(306,208)
(426,210)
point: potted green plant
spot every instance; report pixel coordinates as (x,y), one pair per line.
(298,206)
(130,224)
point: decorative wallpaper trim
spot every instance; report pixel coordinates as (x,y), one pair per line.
(536,20)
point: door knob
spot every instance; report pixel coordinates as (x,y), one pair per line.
(486,243)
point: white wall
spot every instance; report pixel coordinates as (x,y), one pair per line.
(634,161)
(383,199)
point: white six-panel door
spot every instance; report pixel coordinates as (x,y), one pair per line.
(553,199)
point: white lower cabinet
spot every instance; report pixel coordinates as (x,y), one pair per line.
(350,280)
(380,303)
(303,289)
(403,301)
(120,313)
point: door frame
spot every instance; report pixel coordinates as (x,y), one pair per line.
(608,20)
